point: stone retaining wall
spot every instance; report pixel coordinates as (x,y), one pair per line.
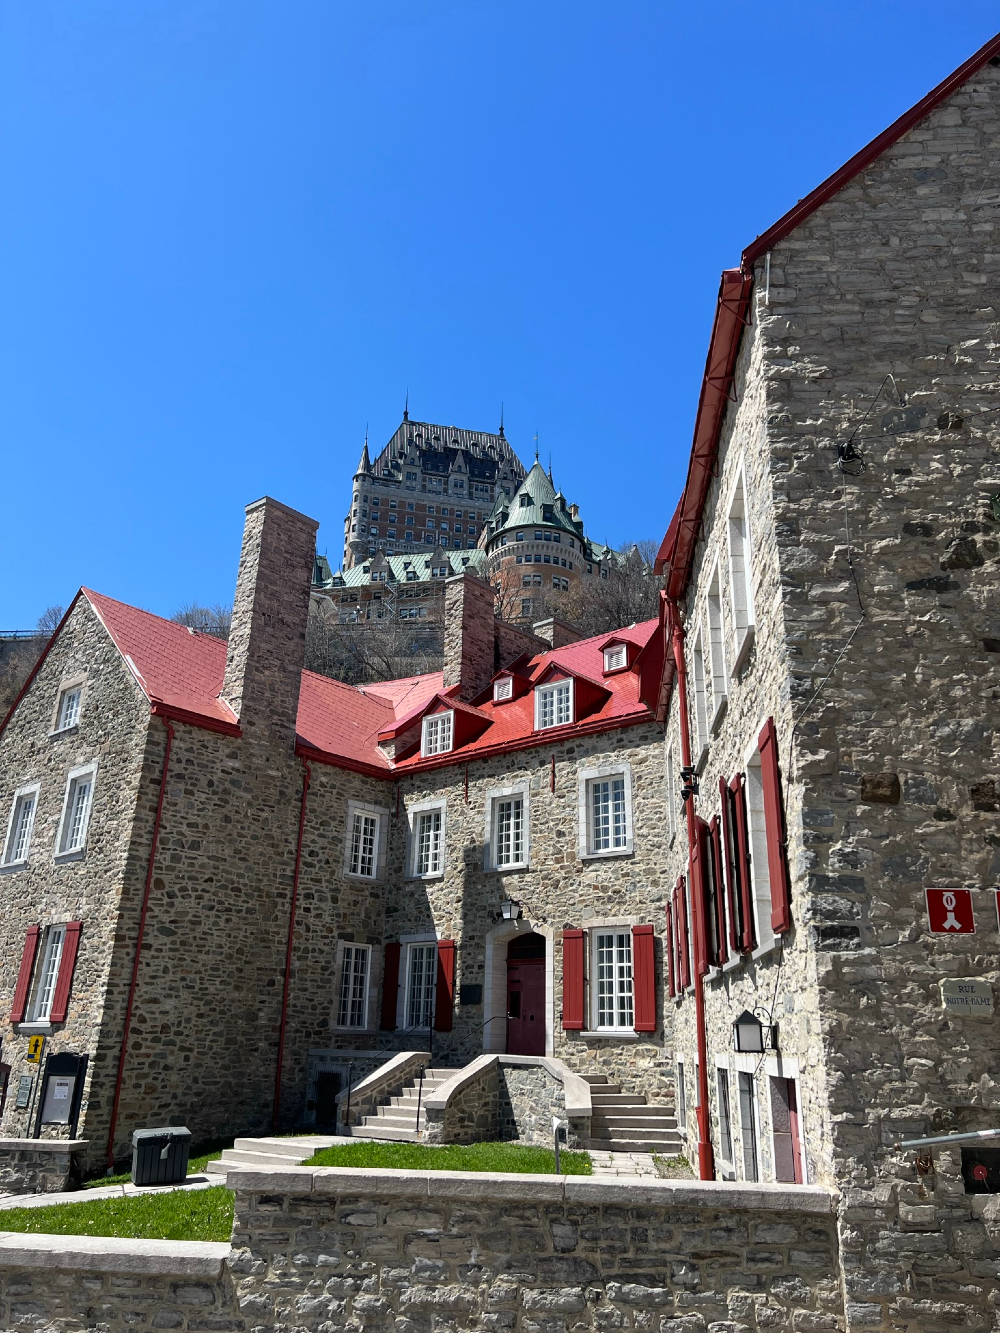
(510,1098)
(39,1166)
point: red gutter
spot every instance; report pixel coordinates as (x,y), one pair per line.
(133,983)
(306,776)
(159,709)
(706,1155)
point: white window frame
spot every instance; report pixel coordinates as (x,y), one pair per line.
(73,778)
(613,652)
(739,549)
(749,1125)
(503,689)
(46,977)
(595,933)
(715,640)
(699,701)
(381,816)
(427,942)
(727,1164)
(10,862)
(68,686)
(585,811)
(680,1096)
(413,818)
(670,776)
(344,949)
(760,876)
(437,733)
(542,692)
(493,797)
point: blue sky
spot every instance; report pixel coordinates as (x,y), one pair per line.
(236,231)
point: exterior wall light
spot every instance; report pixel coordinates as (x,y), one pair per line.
(752,1036)
(510,910)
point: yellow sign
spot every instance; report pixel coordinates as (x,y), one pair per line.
(35,1047)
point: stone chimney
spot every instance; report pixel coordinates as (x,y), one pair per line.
(267,641)
(469,652)
(556,633)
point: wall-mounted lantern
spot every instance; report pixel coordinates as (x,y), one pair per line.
(752,1036)
(510,910)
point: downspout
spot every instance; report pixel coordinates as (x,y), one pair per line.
(706,1155)
(133,983)
(306,776)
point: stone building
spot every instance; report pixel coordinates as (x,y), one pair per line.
(829,700)
(222,877)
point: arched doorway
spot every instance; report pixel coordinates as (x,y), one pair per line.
(526,995)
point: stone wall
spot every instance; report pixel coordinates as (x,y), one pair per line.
(39,1166)
(527,1100)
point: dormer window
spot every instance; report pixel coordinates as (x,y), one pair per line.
(437,734)
(553,705)
(615,657)
(503,689)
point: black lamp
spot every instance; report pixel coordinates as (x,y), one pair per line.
(510,910)
(752,1036)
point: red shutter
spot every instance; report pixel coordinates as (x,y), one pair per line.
(669,950)
(444,991)
(774,826)
(390,987)
(699,896)
(644,979)
(24,975)
(743,861)
(720,952)
(683,934)
(572,1014)
(60,998)
(732,881)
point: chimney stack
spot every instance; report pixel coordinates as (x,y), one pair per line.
(267,641)
(469,652)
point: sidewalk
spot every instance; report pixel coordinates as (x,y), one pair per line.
(103,1192)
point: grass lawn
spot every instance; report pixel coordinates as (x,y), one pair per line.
(178,1215)
(196,1167)
(454,1157)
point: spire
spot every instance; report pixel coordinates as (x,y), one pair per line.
(365,465)
(406,407)
(536,446)
(501,422)
(550,468)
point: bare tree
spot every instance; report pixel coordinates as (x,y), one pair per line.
(215,619)
(48,621)
(628,595)
(383,648)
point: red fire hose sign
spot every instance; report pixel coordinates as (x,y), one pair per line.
(949,912)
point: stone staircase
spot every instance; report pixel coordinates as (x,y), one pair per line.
(249,1154)
(624,1122)
(396,1118)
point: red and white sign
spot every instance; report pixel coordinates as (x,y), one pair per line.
(949,912)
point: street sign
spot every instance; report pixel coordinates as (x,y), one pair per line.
(967,995)
(36,1045)
(949,912)
(24,1092)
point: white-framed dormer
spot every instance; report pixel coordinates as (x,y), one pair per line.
(508,828)
(740,580)
(74,821)
(20,825)
(437,733)
(604,811)
(352,1002)
(68,704)
(615,657)
(503,689)
(365,837)
(715,642)
(554,704)
(425,839)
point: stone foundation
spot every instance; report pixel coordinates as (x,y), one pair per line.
(510,1098)
(40,1166)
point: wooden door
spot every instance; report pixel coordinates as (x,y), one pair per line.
(526,1006)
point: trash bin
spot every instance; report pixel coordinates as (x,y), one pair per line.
(160,1156)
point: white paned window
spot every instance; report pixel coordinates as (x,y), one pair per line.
(671,777)
(700,705)
(438,729)
(553,705)
(613,974)
(428,856)
(606,812)
(22,821)
(739,574)
(68,714)
(748,1126)
(682,1109)
(76,812)
(760,878)
(503,688)
(45,984)
(421,974)
(363,852)
(717,679)
(352,1011)
(725,1120)
(508,831)
(615,657)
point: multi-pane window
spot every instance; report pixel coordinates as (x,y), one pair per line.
(45,986)
(682,1112)
(421,975)
(760,878)
(437,733)
(613,970)
(671,777)
(739,573)
(700,703)
(554,705)
(19,838)
(748,1126)
(363,852)
(508,831)
(352,1010)
(608,815)
(614,657)
(68,714)
(718,687)
(427,843)
(73,834)
(725,1122)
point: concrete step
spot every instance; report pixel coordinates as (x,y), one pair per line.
(283,1147)
(380,1122)
(253,1160)
(644,1115)
(616,1099)
(593,1079)
(388,1132)
(630,1126)
(663,1147)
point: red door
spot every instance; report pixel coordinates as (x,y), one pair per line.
(526,1006)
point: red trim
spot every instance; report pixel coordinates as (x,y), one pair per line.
(60,997)
(444,991)
(774,825)
(670,948)
(573,1005)
(23,986)
(728,856)
(160,709)
(390,987)
(867,155)
(700,896)
(38,665)
(644,979)
(315,756)
(134,980)
(292,907)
